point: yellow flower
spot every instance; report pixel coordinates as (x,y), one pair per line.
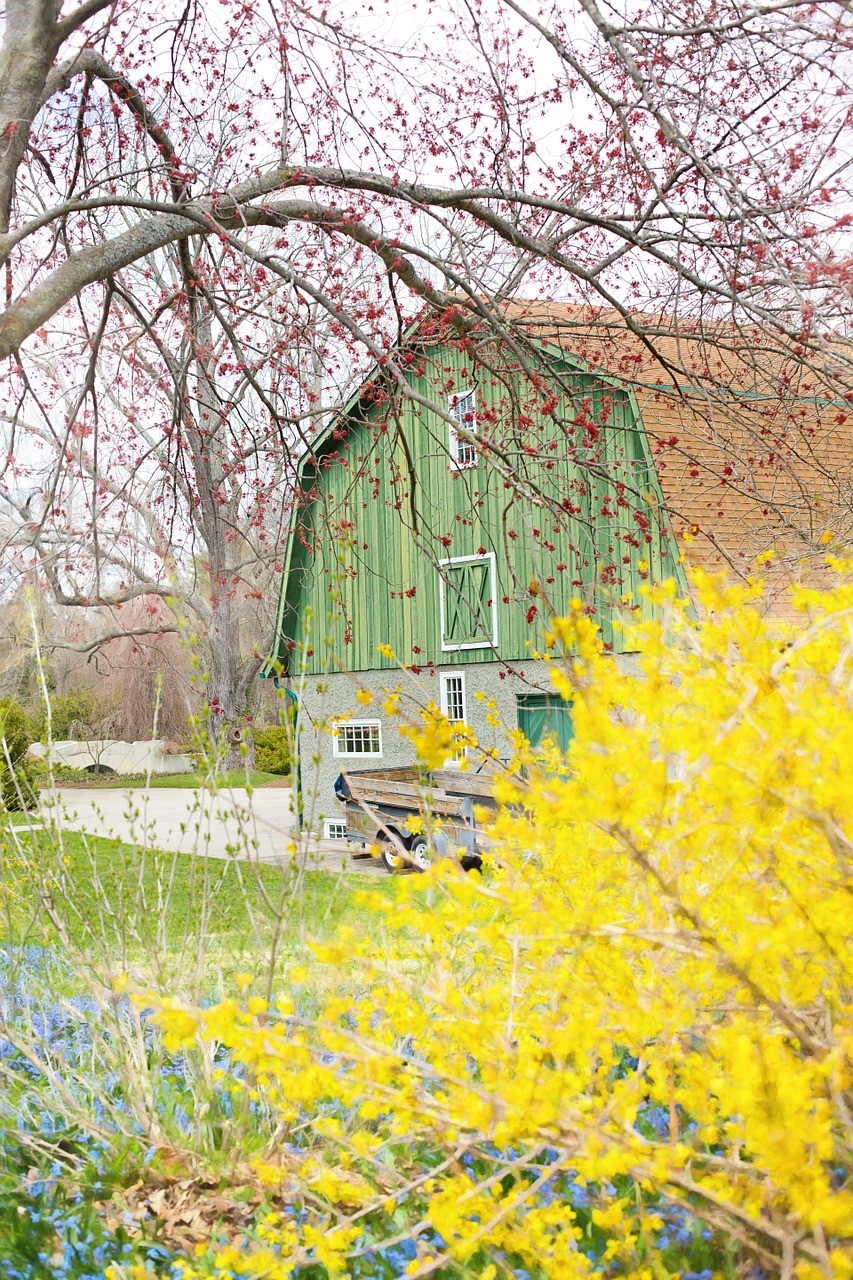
(179,1025)
(662,932)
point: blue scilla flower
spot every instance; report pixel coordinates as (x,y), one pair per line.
(655,1117)
(48,1123)
(182,1119)
(578,1195)
(434,1239)
(157,1253)
(399,1255)
(549,1192)
(176,1067)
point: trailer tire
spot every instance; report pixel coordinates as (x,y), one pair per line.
(420,854)
(390,855)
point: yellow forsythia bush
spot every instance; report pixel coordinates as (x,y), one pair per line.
(625,1050)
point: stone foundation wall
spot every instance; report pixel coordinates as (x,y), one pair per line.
(321,700)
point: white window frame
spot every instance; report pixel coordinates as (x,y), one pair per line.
(454,761)
(334,822)
(337,726)
(490,643)
(454,442)
(444,676)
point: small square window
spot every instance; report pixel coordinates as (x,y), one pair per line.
(463,452)
(467,602)
(357,738)
(335,829)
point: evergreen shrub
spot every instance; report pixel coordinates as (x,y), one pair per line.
(19,777)
(272,750)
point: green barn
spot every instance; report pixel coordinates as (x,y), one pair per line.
(439,520)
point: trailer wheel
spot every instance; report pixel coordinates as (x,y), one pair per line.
(390,855)
(420,854)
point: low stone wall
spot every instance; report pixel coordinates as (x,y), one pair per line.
(151,756)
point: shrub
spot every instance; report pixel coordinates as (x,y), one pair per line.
(626,1050)
(18,783)
(68,712)
(272,750)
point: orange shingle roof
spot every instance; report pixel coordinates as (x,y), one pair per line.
(753,440)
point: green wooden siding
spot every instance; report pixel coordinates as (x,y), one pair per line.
(378,517)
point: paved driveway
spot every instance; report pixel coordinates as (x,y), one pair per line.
(226,824)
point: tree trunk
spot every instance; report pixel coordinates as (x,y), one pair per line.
(230,730)
(25,58)
(218,517)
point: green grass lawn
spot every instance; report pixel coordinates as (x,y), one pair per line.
(193,781)
(111,898)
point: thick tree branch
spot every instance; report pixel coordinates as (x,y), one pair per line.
(75,20)
(124,633)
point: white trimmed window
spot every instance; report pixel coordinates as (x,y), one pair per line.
(467,602)
(357,738)
(463,452)
(453,706)
(335,829)
(453,695)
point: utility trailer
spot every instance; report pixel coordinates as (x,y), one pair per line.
(380,803)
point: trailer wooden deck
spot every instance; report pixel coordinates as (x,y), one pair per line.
(380,804)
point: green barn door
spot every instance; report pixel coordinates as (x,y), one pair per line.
(545,715)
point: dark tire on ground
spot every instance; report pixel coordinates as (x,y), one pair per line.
(420,854)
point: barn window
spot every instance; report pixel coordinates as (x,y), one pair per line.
(453,707)
(463,452)
(453,696)
(357,738)
(467,600)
